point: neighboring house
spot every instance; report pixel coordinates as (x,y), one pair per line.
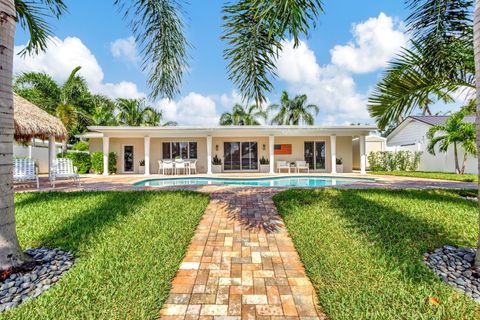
(372,144)
(239,147)
(411,135)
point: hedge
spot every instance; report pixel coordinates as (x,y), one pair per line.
(394,161)
(97,162)
(81,146)
(81,160)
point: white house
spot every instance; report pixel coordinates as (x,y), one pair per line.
(411,135)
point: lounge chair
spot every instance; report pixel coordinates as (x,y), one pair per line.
(25,170)
(283,165)
(63,168)
(301,165)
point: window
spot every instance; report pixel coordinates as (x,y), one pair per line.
(184,150)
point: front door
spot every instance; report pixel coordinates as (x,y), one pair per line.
(128,161)
(314,154)
(240,156)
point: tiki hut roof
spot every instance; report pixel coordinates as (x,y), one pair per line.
(33,122)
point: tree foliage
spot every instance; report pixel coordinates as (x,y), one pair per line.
(242,116)
(294,111)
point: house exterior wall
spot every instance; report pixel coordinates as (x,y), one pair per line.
(413,137)
(372,144)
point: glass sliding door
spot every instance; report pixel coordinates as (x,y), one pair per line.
(314,154)
(128,161)
(240,155)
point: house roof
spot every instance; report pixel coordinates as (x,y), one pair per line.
(229,131)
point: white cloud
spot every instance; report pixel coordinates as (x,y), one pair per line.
(375,42)
(193,109)
(332,86)
(125,48)
(64,55)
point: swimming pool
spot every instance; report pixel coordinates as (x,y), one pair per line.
(294,181)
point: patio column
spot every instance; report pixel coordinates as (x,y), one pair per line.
(271,148)
(52,153)
(106,149)
(333,152)
(147,155)
(209,154)
(363,157)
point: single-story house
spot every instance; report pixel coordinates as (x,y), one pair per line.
(411,134)
(240,148)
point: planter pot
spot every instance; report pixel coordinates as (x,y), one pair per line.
(141,169)
(216,168)
(264,168)
(339,168)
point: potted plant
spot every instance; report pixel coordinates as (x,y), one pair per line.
(264,165)
(339,164)
(141,166)
(216,164)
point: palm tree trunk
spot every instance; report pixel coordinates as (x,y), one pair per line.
(10,253)
(464,163)
(476,43)
(455,153)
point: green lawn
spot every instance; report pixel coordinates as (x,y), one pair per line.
(128,247)
(363,249)
(430,175)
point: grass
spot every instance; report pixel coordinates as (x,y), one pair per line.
(430,175)
(128,247)
(363,249)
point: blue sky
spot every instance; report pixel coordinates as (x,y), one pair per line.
(336,65)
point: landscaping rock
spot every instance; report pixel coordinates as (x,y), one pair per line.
(17,288)
(453,265)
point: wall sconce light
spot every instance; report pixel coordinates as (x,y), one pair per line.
(216,147)
(263,147)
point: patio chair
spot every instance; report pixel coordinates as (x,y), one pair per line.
(166,166)
(180,165)
(283,165)
(301,165)
(192,167)
(25,170)
(63,168)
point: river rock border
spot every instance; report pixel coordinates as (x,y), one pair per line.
(453,265)
(52,264)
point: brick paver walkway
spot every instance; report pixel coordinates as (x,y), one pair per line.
(241,264)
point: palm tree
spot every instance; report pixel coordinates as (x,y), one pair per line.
(254,31)
(241,116)
(455,132)
(136,112)
(476,44)
(294,112)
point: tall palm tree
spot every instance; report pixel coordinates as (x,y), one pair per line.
(476,44)
(455,132)
(254,30)
(242,116)
(136,112)
(295,111)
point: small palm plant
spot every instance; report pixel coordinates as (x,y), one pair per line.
(457,132)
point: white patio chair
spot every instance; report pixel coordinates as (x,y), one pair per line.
(192,167)
(166,166)
(63,168)
(283,165)
(301,165)
(180,165)
(25,170)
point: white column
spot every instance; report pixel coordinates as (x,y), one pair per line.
(333,152)
(106,149)
(209,154)
(147,155)
(271,148)
(52,149)
(363,157)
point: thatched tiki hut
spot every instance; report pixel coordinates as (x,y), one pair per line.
(33,122)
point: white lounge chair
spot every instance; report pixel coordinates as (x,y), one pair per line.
(25,170)
(283,165)
(63,168)
(180,165)
(301,165)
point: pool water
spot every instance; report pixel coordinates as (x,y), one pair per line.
(296,181)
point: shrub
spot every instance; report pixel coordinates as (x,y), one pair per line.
(394,161)
(97,162)
(81,146)
(216,161)
(81,160)
(263,160)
